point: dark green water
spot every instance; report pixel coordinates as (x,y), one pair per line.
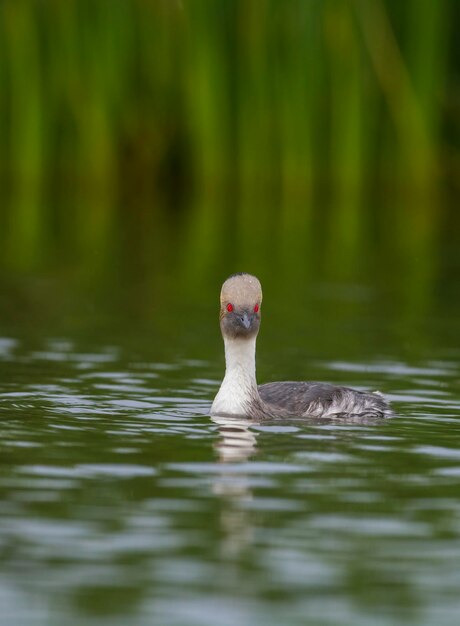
(122,502)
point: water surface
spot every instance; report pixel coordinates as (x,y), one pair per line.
(123,502)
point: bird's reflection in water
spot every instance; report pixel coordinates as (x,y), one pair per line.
(237,443)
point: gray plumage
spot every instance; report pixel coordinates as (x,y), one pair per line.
(320,399)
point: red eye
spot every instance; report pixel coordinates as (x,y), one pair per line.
(229,307)
(256,308)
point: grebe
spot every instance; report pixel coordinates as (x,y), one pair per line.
(240,303)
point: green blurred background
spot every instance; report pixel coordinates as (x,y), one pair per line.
(151,147)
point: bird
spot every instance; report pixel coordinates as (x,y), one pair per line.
(239,395)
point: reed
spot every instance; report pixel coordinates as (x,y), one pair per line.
(278,120)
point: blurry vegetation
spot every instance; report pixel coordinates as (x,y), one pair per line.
(298,135)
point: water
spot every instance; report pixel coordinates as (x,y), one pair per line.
(122,502)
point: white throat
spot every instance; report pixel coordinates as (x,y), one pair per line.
(239,387)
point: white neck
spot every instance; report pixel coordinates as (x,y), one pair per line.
(239,387)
